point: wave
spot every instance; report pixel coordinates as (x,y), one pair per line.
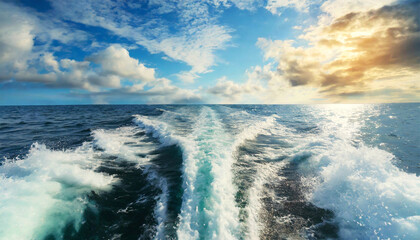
(265,173)
(159,130)
(123,142)
(369,195)
(253,129)
(127,145)
(44,192)
(208,209)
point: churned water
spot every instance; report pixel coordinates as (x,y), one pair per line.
(210,172)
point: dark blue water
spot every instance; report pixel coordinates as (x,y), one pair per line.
(210,172)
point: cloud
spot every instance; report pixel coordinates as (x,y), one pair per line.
(50,62)
(247,4)
(331,9)
(196,48)
(80,75)
(20,28)
(231,92)
(274,6)
(160,91)
(187,76)
(16,39)
(114,66)
(115,60)
(264,84)
(100,76)
(163,92)
(276,89)
(357,49)
(227,89)
(193,38)
(339,8)
(353,51)
(32,75)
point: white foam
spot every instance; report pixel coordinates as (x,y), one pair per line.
(207,149)
(265,173)
(161,204)
(158,129)
(123,143)
(253,129)
(370,197)
(221,210)
(46,190)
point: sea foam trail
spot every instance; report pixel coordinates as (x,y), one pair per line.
(126,145)
(208,210)
(45,191)
(123,143)
(370,197)
(247,127)
(265,173)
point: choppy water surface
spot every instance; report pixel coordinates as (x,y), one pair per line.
(210,172)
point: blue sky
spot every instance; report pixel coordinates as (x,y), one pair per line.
(214,51)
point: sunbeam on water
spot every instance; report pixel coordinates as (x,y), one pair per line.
(211,172)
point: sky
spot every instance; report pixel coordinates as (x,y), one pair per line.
(209,51)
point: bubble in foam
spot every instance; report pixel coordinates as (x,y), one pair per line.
(371,197)
(123,143)
(208,208)
(44,192)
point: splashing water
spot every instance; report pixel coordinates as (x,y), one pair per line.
(212,172)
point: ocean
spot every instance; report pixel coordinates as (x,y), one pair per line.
(339,171)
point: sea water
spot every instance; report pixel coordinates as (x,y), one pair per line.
(210,172)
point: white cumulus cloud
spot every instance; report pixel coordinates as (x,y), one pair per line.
(116,60)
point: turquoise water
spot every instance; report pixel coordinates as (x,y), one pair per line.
(210,172)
